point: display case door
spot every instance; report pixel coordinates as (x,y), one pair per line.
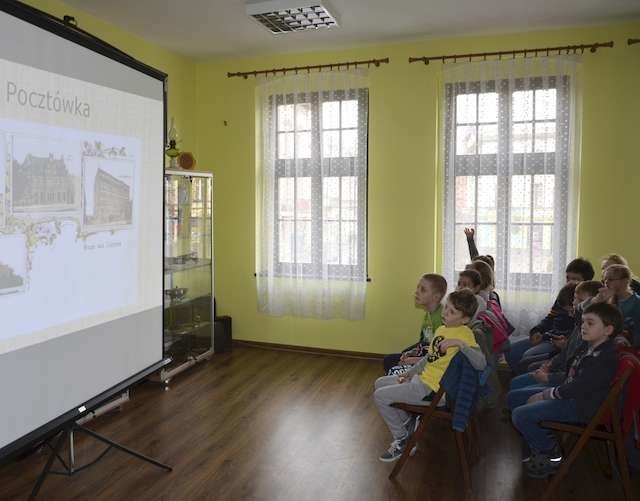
(188,279)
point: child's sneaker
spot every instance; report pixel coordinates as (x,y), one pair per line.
(395,450)
(542,465)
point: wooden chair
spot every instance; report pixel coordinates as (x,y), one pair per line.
(605,425)
(465,440)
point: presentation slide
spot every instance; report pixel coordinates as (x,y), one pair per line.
(81,176)
(69,240)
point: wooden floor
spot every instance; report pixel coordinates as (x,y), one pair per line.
(271,425)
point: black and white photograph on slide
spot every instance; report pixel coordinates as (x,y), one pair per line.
(45,175)
(13,264)
(108,189)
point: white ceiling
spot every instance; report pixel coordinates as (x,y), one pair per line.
(202,28)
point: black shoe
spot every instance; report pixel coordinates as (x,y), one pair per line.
(541,465)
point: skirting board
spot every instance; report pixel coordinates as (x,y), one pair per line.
(311,350)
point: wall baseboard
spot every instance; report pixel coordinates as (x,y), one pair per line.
(310,350)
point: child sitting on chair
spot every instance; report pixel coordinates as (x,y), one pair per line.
(576,271)
(428,296)
(561,328)
(423,379)
(471,279)
(554,371)
(578,398)
(617,290)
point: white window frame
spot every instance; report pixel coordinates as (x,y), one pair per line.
(356,166)
(556,163)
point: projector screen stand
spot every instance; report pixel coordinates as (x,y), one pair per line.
(70,469)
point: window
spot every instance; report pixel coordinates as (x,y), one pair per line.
(320,183)
(506,170)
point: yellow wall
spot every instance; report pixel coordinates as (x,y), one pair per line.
(402,176)
(181,70)
(402,167)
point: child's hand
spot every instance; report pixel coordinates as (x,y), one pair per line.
(402,378)
(541,376)
(445,344)
(604,295)
(469,232)
(535,337)
(559,341)
(535,398)
(408,354)
(411,360)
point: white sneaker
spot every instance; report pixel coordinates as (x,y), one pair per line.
(394,451)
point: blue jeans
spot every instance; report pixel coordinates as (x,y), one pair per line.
(523,352)
(527,419)
(519,396)
(522,381)
(516,351)
(541,351)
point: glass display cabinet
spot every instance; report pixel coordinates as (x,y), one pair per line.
(188,270)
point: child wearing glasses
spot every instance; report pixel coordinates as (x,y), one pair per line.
(617,290)
(610,259)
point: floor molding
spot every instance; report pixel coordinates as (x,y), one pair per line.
(309,349)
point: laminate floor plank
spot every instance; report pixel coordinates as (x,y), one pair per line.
(263,424)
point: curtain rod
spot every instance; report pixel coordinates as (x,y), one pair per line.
(331,66)
(632,41)
(525,52)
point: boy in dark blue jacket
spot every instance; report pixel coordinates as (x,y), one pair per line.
(536,347)
(577,399)
(560,326)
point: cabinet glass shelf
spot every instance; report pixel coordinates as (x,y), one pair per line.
(168,268)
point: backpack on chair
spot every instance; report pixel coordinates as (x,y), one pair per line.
(494,317)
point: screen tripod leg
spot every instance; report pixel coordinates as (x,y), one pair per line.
(122,448)
(47,467)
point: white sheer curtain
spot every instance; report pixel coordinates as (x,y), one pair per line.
(312,192)
(510,158)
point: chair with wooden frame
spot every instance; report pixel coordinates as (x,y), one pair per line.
(605,425)
(431,410)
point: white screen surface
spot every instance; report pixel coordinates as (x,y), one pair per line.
(81,139)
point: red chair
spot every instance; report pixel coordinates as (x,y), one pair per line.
(607,424)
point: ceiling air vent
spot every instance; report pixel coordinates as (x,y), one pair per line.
(286,16)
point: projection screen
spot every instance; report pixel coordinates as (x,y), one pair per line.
(81,216)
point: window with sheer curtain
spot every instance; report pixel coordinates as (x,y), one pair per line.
(509,167)
(312,194)
(319,213)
